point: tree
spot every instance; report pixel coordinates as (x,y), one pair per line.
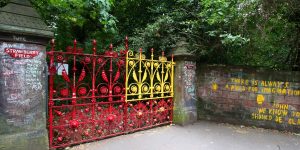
(263,33)
(238,32)
(78,19)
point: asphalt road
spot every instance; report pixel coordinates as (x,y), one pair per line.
(202,135)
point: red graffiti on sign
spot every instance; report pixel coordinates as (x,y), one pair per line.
(21,53)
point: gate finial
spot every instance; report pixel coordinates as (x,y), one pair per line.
(94,46)
(52,44)
(126,43)
(172,55)
(75,43)
(111,47)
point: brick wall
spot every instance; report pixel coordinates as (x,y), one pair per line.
(249,96)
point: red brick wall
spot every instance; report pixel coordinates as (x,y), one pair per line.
(249,96)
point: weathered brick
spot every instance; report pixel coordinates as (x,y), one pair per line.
(249,103)
(215,93)
(241,99)
(202,92)
(252,96)
(244,95)
(233,95)
(230,101)
(291,99)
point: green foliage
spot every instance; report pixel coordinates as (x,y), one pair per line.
(79,19)
(237,32)
(263,33)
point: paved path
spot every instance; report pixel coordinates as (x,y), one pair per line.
(199,136)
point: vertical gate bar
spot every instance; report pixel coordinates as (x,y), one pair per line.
(125,117)
(162,73)
(151,112)
(110,99)
(172,86)
(125,87)
(94,42)
(171,111)
(140,74)
(151,87)
(50,102)
(140,82)
(74,81)
(151,74)
(110,73)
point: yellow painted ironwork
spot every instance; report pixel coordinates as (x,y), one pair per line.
(148,79)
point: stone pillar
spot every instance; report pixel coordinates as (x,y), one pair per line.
(23,77)
(185,110)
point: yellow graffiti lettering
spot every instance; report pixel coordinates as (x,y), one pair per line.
(246,82)
(296,92)
(266,90)
(279,91)
(236,88)
(266,87)
(261,110)
(290,92)
(242,88)
(226,86)
(293,92)
(236,80)
(286,84)
(278,119)
(256,116)
(283,91)
(296,114)
(278,112)
(270,83)
(255,89)
(254,82)
(273,90)
(292,121)
(249,88)
(242,81)
(232,87)
(281,106)
(232,79)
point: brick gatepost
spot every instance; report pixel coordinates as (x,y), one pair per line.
(185,110)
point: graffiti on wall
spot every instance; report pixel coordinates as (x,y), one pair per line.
(279,113)
(261,86)
(189,78)
(21,81)
(267,109)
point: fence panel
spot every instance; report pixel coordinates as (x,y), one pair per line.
(94,96)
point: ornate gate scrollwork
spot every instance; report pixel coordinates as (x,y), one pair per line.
(94,96)
(148,79)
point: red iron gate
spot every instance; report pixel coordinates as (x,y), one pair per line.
(93,96)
